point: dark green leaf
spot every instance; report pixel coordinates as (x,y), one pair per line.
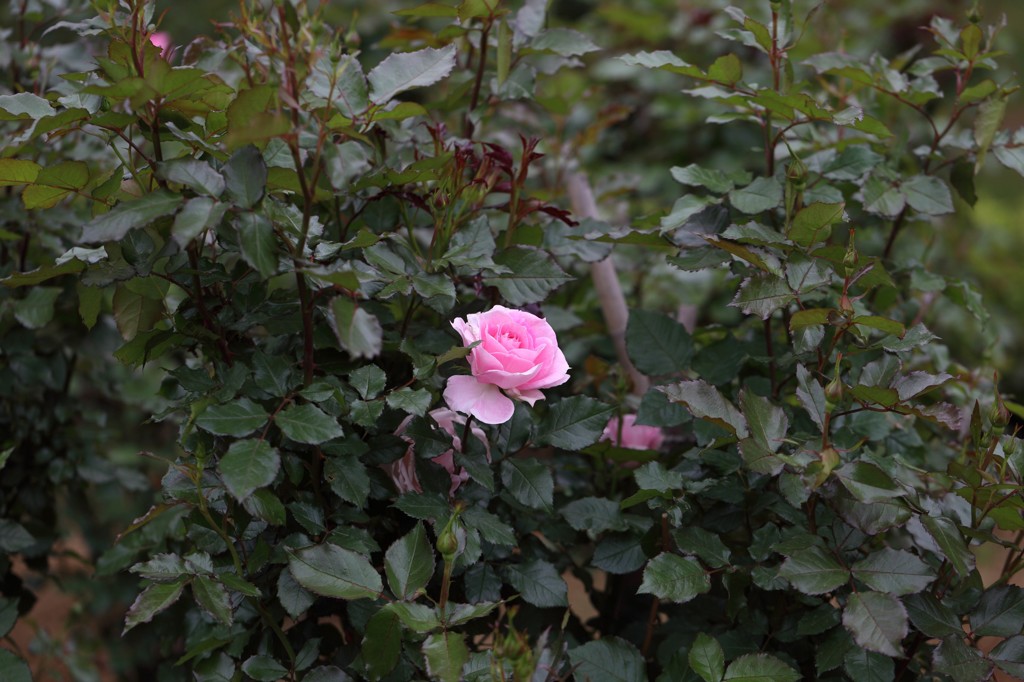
(13,537)
(574,423)
(878,622)
(1000,612)
(707,658)
(593,514)
(760,668)
(248,465)
(1009,655)
(199,175)
(762,295)
(931,616)
(947,536)
(657,344)
(113,225)
(893,571)
(619,554)
(264,668)
(382,643)
(529,481)
(333,571)
(705,402)
(812,223)
(307,423)
(608,659)
(445,653)
(214,599)
(760,195)
(814,571)
(258,243)
(928,194)
(538,582)
(12,668)
(868,483)
(245,175)
(238,418)
(961,662)
(409,563)
(152,601)
(528,276)
(674,578)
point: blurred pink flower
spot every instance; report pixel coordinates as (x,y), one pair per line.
(403,470)
(626,433)
(162,40)
(518,355)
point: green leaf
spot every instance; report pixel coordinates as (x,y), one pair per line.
(293,597)
(593,514)
(245,176)
(674,578)
(811,396)
(1008,655)
(762,194)
(36,310)
(529,481)
(947,536)
(113,225)
(852,163)
(619,554)
(13,537)
(767,423)
(198,214)
(812,223)
(18,172)
(528,276)
(409,563)
(54,183)
(609,659)
(214,599)
(417,617)
(814,571)
(258,243)
(760,668)
(705,544)
(705,402)
(762,295)
(238,418)
(894,571)
(1000,612)
(199,175)
(707,658)
(654,476)
(135,312)
(403,71)
(868,483)
(445,652)
(333,571)
(878,622)
(348,478)
(726,69)
(931,616)
(657,344)
(90,300)
(24,105)
(358,331)
(248,465)
(12,668)
(539,583)
(152,601)
(264,668)
(574,423)
(663,60)
(382,643)
(714,180)
(564,42)
(928,194)
(961,662)
(867,666)
(413,401)
(308,424)
(369,380)
(986,125)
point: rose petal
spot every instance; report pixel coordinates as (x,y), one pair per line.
(530,395)
(484,401)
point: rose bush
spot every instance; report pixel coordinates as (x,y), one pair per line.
(513,354)
(403,471)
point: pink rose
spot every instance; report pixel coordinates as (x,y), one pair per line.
(163,41)
(517,356)
(403,471)
(626,433)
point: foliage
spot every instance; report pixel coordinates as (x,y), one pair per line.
(281,230)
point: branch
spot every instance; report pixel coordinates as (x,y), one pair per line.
(606,282)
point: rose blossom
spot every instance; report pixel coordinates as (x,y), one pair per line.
(163,41)
(626,433)
(517,356)
(403,471)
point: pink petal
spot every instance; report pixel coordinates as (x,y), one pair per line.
(530,395)
(486,402)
